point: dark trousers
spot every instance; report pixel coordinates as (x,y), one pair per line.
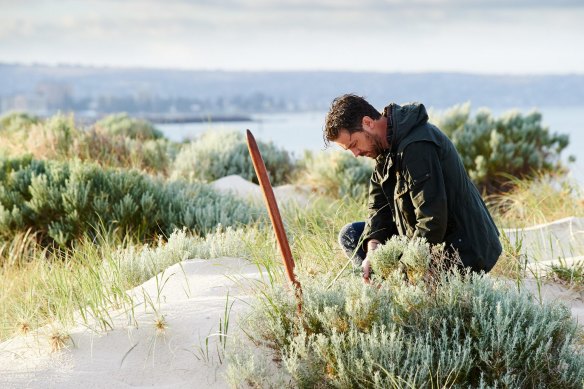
(350,241)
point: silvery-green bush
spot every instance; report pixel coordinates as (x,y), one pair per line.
(465,330)
(336,173)
(61,201)
(496,148)
(216,154)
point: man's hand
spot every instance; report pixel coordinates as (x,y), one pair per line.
(366,265)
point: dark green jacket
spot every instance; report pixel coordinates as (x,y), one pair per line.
(420,189)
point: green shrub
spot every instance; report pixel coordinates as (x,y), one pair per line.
(61,201)
(150,155)
(386,259)
(336,173)
(492,149)
(120,142)
(124,125)
(219,154)
(461,331)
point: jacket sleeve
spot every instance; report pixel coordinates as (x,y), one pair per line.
(423,172)
(380,224)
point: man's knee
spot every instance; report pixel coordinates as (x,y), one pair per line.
(350,235)
(345,234)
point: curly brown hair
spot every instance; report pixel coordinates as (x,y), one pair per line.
(346,113)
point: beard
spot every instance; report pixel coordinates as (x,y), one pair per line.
(376,146)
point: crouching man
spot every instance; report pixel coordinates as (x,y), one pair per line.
(419,187)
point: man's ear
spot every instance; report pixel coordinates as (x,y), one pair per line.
(367,122)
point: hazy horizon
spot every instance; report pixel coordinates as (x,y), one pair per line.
(132,67)
(179,69)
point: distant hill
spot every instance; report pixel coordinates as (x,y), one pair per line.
(100,89)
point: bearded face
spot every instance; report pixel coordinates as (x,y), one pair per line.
(361,143)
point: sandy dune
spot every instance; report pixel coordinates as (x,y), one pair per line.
(193,301)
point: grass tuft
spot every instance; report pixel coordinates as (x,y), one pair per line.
(58,340)
(570,275)
(160,324)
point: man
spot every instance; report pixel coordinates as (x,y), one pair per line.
(419,187)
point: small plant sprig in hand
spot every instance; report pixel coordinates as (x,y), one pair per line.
(415,258)
(403,255)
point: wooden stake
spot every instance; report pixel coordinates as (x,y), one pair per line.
(274,212)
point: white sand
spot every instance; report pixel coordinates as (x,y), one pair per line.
(547,243)
(192,301)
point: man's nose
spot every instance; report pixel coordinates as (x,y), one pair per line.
(356,152)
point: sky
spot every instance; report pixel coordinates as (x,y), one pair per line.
(471,36)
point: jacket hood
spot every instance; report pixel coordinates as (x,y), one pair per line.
(404,118)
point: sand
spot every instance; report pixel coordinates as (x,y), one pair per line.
(548,243)
(192,301)
(285,194)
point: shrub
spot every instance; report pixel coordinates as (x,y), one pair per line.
(218,154)
(61,201)
(124,125)
(336,173)
(463,331)
(52,138)
(492,149)
(151,155)
(400,253)
(120,142)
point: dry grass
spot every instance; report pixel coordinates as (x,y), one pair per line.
(23,327)
(160,324)
(542,200)
(58,340)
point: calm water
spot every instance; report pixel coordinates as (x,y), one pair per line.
(295,132)
(303,131)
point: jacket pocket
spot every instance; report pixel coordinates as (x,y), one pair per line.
(414,184)
(417,181)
